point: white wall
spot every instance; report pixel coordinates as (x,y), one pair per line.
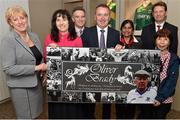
(4,28)
(174,18)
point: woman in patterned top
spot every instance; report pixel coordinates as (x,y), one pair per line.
(168,74)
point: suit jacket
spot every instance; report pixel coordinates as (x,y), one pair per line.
(83,30)
(90,37)
(167,87)
(149,31)
(18,61)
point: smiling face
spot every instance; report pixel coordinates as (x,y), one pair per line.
(159,14)
(17,18)
(79,18)
(19,22)
(127,30)
(102,17)
(62,24)
(162,43)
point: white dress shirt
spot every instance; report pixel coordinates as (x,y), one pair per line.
(162,24)
(105,34)
(78,31)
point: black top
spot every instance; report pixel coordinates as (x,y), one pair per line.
(37,54)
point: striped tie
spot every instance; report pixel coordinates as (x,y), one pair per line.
(102,40)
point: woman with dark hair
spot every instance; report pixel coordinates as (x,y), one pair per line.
(63,34)
(127,35)
(128,41)
(169,73)
(62,31)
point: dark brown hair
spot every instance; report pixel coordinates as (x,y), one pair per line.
(78,8)
(124,23)
(163,33)
(54,30)
(161,3)
(102,5)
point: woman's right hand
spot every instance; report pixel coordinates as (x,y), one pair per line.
(119,47)
(41,67)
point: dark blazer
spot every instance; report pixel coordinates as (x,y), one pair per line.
(148,32)
(83,30)
(167,86)
(90,37)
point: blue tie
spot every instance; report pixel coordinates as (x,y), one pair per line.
(102,40)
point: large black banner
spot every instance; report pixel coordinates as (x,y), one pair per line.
(100,75)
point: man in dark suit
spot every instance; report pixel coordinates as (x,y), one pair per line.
(159,12)
(91,36)
(79,19)
(100,36)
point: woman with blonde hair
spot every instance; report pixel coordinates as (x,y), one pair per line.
(21,60)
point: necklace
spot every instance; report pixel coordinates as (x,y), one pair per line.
(25,37)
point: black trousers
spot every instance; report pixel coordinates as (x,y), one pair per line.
(125,111)
(65,110)
(106,113)
(146,111)
(89,110)
(161,111)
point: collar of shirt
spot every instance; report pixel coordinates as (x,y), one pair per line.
(135,40)
(105,34)
(164,56)
(142,92)
(131,42)
(156,24)
(78,30)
